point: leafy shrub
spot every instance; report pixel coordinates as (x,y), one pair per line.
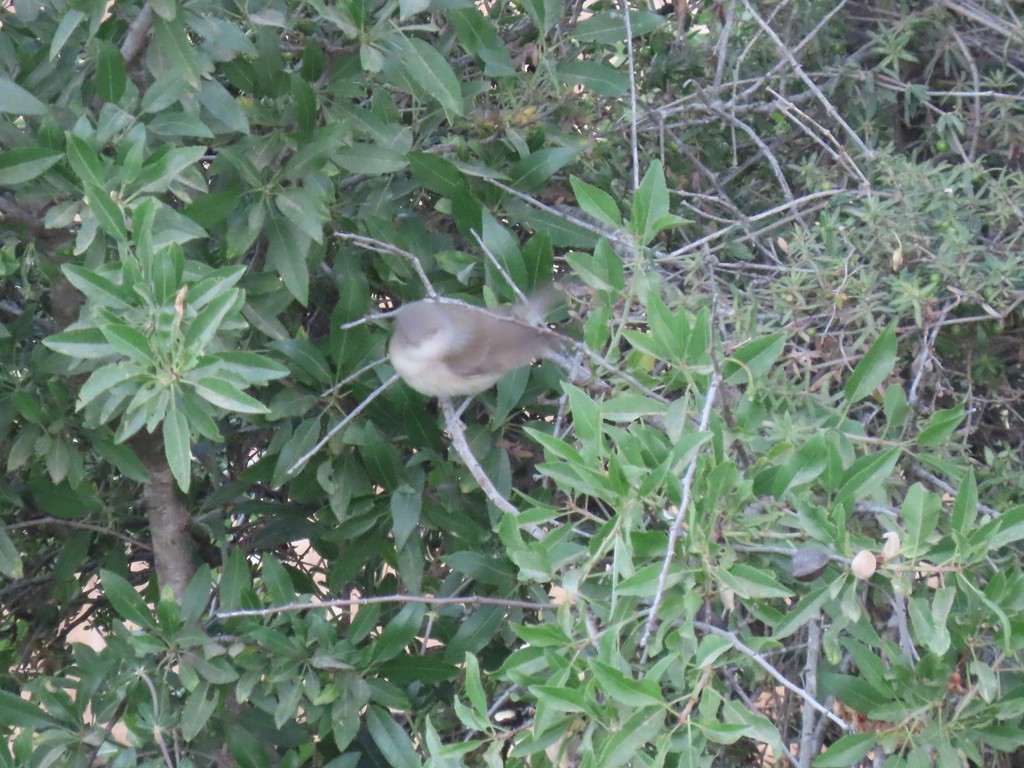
(769,513)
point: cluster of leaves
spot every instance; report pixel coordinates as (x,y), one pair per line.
(199,200)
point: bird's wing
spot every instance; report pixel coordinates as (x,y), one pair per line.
(507,345)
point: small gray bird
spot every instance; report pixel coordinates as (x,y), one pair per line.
(443,349)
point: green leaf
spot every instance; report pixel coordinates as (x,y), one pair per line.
(28,407)
(98,289)
(20,165)
(876,365)
(630,407)
(965,507)
(222,106)
(299,206)
(310,365)
(178,447)
(628,739)
(1001,531)
(104,379)
(609,27)
(709,649)
(966,585)
(165,273)
(415,669)
(407,8)
(218,672)
(16,712)
(287,254)
(625,689)
(802,467)
(425,66)
(505,249)
(435,173)
(164,168)
(895,407)
(482,567)
(247,751)
(278,583)
(304,99)
(940,426)
(210,319)
(85,162)
(476,33)
(226,395)
(252,367)
(555,698)
(216,283)
(235,581)
(10,559)
(596,76)
(544,13)
(847,751)
(602,271)
(750,583)
(126,600)
(399,632)
(70,19)
(371,159)
(535,169)
(171,124)
(596,202)
(866,475)
(390,738)
(370,58)
(586,420)
(108,213)
(82,343)
(170,38)
(15,100)
(124,459)
(406,505)
(164,91)
(129,342)
(110,72)
(753,359)
(198,709)
(920,513)
(650,203)
(474,688)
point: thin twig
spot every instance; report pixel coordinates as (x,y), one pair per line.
(832,146)
(379,246)
(500,267)
(900,617)
(798,70)
(766,152)
(457,433)
(114,720)
(923,474)
(342,424)
(808,749)
(975,132)
(353,376)
(157,733)
(758,659)
(677,527)
(355,602)
(632,94)
(612,235)
(721,234)
(80,525)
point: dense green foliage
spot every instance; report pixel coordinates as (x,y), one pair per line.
(772,513)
